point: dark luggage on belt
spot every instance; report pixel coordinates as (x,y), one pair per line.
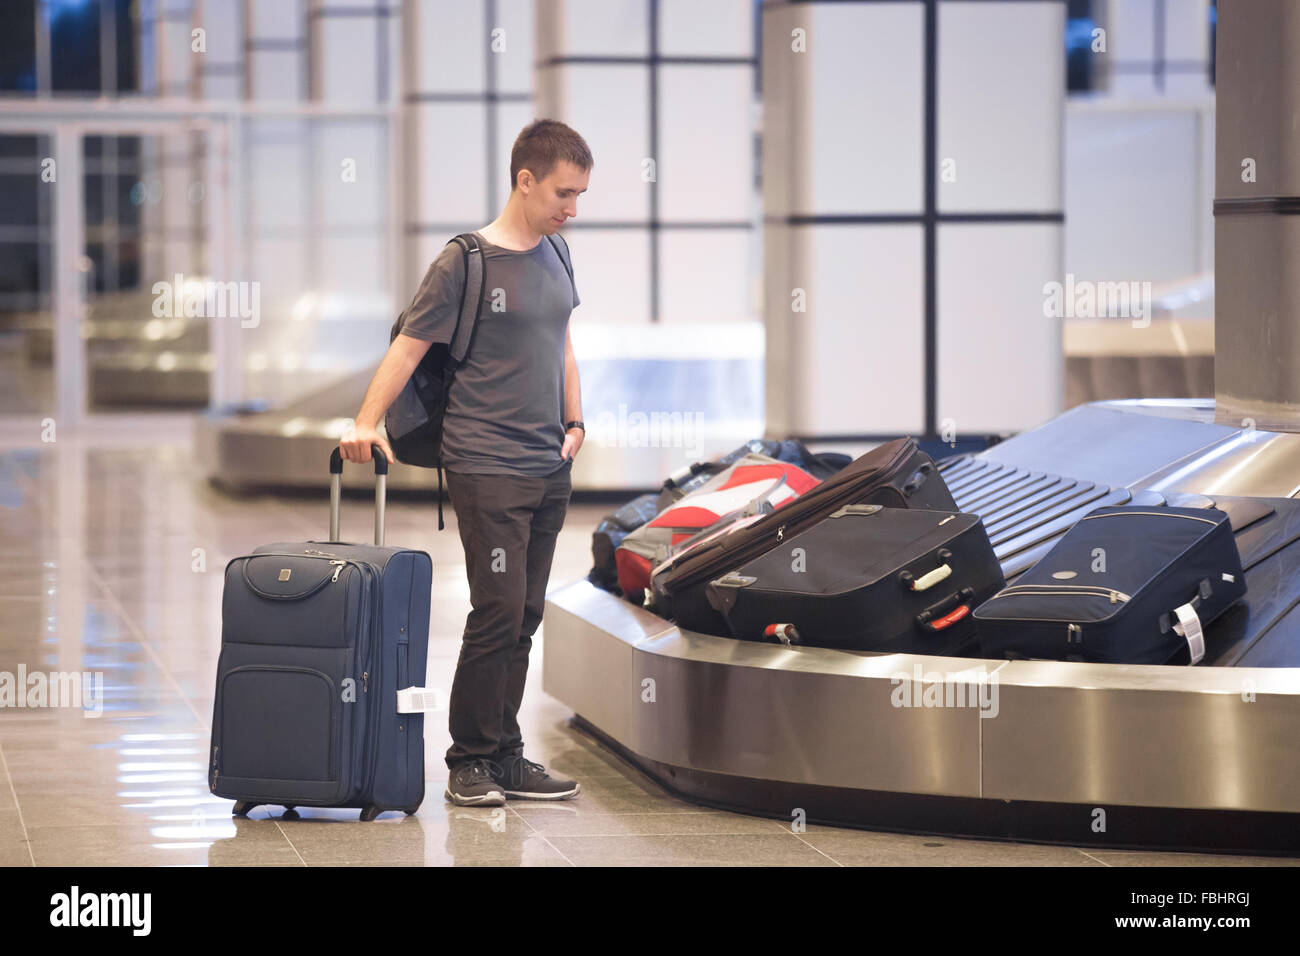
(614,527)
(316,640)
(896,474)
(609,534)
(1168,573)
(867,578)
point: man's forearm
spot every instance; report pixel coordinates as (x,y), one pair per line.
(392,374)
(572,387)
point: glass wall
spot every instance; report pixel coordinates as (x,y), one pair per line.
(26,244)
(275,187)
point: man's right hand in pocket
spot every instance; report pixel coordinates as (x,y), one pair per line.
(355,445)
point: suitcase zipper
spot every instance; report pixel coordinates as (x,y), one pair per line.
(375,650)
(339,563)
(1068,589)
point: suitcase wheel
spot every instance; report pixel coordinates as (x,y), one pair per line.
(369,813)
(410,811)
(290,814)
(241,808)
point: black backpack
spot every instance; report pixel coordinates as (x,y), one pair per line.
(414,420)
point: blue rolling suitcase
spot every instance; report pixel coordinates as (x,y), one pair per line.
(1126,585)
(317,638)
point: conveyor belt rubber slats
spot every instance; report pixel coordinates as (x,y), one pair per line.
(954,462)
(991,496)
(1086,493)
(1060,523)
(1056,501)
(988,483)
(980,470)
(1022,561)
(1037,491)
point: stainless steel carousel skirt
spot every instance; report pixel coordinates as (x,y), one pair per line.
(1132,756)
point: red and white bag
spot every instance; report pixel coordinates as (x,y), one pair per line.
(752,485)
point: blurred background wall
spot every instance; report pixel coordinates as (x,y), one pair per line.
(918,170)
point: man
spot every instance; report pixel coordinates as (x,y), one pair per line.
(512,427)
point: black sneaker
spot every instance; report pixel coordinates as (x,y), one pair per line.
(472,784)
(529,781)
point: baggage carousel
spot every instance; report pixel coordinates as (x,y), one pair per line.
(1087,754)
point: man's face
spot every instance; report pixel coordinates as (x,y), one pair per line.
(553,201)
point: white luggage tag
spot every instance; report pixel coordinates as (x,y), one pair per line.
(1189,626)
(418,700)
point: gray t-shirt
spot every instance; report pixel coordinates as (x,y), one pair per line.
(505,413)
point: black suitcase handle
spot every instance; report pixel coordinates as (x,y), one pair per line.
(381,491)
(917,479)
(944,614)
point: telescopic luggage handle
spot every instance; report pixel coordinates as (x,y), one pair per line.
(381,491)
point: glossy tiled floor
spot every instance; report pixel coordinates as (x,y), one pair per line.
(111,556)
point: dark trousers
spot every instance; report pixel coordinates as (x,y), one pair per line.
(508,525)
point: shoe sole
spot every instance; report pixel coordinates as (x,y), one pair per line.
(493,798)
(565,795)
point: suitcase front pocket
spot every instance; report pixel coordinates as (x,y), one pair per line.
(291,600)
(279,723)
(1090,604)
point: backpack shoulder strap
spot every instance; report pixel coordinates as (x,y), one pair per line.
(562,250)
(471,296)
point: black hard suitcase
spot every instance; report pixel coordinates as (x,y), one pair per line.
(316,640)
(896,474)
(867,578)
(1127,585)
(617,525)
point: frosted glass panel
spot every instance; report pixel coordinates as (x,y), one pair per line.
(352,264)
(611,269)
(703,275)
(274,183)
(348,48)
(1000,90)
(602,27)
(453,184)
(1131,188)
(608,106)
(358,199)
(861,369)
(999,359)
(283,19)
(453,41)
(706,27)
(514,64)
(706,143)
(278,75)
(864,142)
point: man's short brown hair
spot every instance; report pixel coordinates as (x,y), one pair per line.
(543,143)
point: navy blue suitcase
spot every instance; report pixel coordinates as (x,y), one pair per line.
(316,640)
(1126,585)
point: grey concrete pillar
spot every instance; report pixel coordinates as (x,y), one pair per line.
(1256,229)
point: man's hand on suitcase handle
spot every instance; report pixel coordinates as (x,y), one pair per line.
(355,445)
